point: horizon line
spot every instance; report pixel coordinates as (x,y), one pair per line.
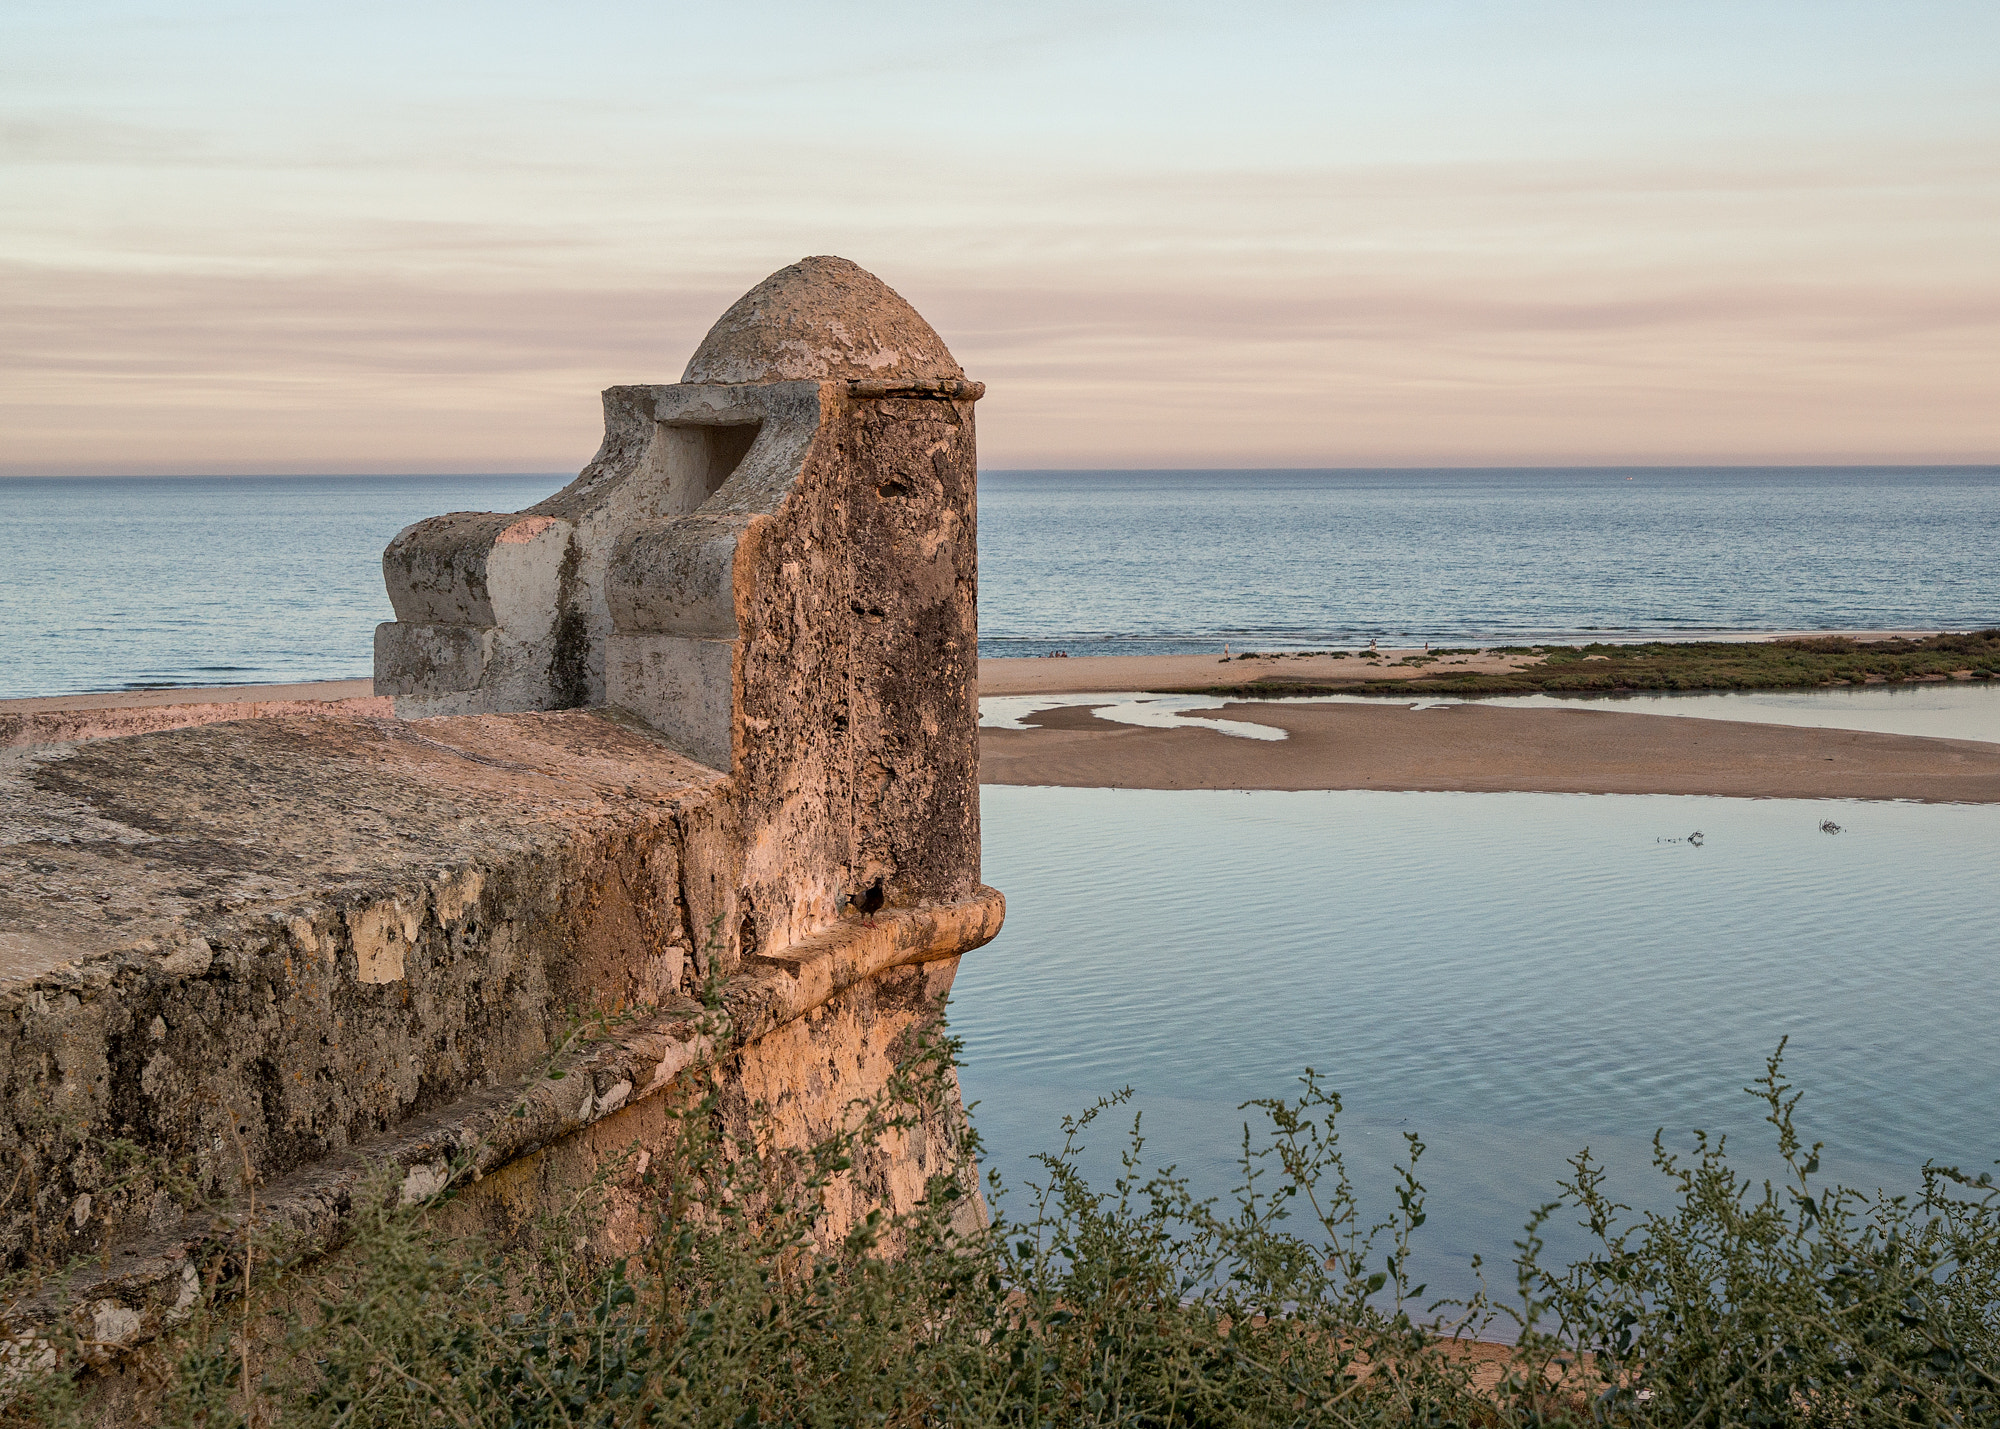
(566,475)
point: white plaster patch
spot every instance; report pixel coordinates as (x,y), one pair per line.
(457,895)
(114,1324)
(383,934)
(306,936)
(190,958)
(424,1180)
(189,1292)
(27,1355)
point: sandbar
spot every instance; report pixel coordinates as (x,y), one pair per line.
(1482,749)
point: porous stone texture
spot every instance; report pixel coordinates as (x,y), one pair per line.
(680,791)
(772,563)
(300,932)
(822,317)
(793,1087)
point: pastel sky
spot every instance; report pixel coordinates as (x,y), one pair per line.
(421,236)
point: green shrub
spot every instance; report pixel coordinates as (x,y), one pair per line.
(1793,1303)
(1135,1305)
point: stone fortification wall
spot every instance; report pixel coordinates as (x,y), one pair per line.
(680,786)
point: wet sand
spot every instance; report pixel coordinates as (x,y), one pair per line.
(1481,749)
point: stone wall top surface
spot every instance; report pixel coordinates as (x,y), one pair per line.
(134,845)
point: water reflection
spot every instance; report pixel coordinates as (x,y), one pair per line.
(1513,975)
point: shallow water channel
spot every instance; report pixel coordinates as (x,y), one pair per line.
(1514,976)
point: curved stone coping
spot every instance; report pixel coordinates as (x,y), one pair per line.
(126,1295)
(74,719)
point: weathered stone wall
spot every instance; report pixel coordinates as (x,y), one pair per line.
(312,930)
(487,942)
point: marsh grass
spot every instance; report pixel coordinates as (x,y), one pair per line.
(1774,1303)
(1692,665)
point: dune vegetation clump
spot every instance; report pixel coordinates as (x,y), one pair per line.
(1802,664)
(1128,1304)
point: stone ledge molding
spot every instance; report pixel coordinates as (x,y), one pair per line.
(31,729)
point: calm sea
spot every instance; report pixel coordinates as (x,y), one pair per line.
(115,582)
(1170,561)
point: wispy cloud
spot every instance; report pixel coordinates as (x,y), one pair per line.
(382,239)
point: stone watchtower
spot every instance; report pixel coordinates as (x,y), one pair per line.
(771,562)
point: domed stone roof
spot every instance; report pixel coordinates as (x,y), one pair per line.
(822,318)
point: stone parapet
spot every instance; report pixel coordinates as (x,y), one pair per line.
(72,719)
(669,780)
(300,932)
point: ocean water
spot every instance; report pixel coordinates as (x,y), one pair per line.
(119,582)
(123,581)
(1515,977)
(1132,562)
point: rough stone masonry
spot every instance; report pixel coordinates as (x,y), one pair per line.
(681,791)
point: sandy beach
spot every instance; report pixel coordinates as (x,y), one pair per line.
(1478,748)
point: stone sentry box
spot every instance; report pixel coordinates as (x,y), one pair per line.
(691,743)
(771,562)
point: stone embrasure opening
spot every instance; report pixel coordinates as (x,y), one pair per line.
(700,457)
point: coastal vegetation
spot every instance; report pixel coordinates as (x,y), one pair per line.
(1807,663)
(1746,1303)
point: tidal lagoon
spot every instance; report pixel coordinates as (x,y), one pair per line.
(1512,976)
